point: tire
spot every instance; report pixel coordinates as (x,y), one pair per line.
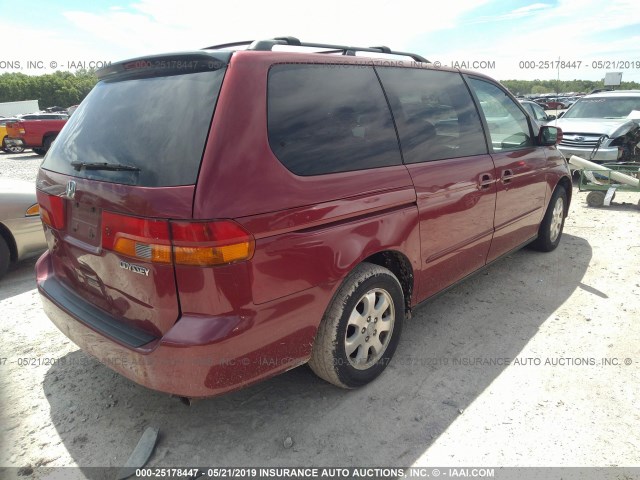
(5,257)
(552,224)
(596,199)
(344,352)
(46,145)
(39,151)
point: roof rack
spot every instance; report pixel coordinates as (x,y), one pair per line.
(267,45)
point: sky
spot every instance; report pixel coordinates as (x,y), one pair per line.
(505,39)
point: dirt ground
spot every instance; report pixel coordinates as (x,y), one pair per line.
(534,362)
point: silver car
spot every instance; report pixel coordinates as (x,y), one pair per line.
(21,233)
(602,127)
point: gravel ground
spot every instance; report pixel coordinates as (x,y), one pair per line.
(23,166)
(454,395)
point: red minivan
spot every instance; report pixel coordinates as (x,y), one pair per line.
(217,217)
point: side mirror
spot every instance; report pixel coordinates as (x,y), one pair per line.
(550,117)
(561,114)
(549,136)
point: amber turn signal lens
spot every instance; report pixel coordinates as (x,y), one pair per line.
(33,210)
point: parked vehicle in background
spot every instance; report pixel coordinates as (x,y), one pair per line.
(550,104)
(537,112)
(3,136)
(295,212)
(35,131)
(43,116)
(21,233)
(568,101)
(603,127)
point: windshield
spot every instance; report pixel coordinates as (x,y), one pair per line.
(601,107)
(158,125)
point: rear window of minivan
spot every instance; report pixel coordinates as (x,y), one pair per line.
(158,125)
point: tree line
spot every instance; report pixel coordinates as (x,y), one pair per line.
(64,89)
(61,89)
(524,87)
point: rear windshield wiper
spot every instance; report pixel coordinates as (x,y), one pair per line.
(103,166)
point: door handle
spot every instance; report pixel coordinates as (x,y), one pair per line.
(485,181)
(507,175)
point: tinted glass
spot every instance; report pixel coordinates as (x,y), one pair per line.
(329,118)
(157,124)
(603,107)
(508,125)
(538,112)
(435,114)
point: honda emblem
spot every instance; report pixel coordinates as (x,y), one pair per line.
(71,189)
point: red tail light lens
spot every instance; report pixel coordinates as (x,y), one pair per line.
(211,243)
(135,237)
(52,210)
(181,242)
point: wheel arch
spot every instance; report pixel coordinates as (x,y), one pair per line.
(5,233)
(47,135)
(565,182)
(400,266)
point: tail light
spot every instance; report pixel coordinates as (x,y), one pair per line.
(52,210)
(180,242)
(135,237)
(210,243)
(17,125)
(199,243)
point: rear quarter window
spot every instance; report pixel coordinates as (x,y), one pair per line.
(329,118)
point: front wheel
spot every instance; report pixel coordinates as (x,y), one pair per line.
(361,328)
(550,229)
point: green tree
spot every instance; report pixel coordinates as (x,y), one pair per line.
(55,89)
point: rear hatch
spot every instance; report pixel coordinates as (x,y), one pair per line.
(120,178)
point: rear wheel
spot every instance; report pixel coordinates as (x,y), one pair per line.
(550,229)
(46,145)
(361,328)
(5,257)
(39,151)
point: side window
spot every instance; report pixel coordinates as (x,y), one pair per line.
(508,125)
(329,118)
(434,113)
(539,113)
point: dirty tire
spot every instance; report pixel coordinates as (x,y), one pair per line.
(5,257)
(596,199)
(350,351)
(46,145)
(552,224)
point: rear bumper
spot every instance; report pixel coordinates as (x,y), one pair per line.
(198,357)
(14,142)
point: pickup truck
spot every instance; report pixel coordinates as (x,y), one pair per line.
(36,132)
